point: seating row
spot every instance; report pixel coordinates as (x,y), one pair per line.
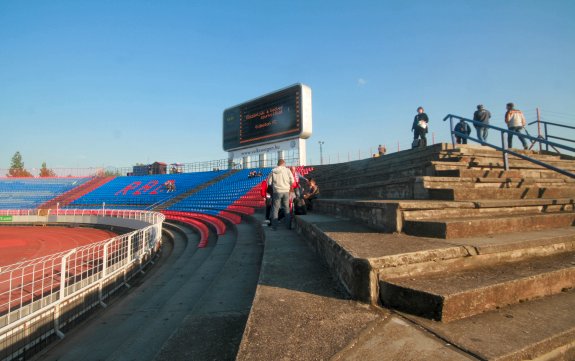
(26,193)
(224,193)
(142,191)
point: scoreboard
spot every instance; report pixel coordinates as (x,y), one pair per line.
(281,115)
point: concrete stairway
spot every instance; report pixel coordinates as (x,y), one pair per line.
(446,234)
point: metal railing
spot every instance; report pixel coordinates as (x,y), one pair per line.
(504,148)
(548,136)
(204,166)
(43,297)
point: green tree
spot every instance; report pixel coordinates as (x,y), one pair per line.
(17,167)
(112,173)
(46,172)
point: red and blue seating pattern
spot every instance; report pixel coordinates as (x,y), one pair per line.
(29,193)
(208,211)
(238,192)
(141,192)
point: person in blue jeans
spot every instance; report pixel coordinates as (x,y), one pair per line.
(481,115)
(281,180)
(515,121)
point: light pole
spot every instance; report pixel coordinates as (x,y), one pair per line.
(321,143)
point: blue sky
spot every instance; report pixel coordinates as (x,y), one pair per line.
(112,83)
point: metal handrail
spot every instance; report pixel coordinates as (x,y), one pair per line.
(504,148)
(551,123)
(546,134)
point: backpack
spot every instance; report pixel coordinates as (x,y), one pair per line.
(299,206)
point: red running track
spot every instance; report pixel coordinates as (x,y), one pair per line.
(24,243)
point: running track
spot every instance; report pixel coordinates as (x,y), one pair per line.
(24,243)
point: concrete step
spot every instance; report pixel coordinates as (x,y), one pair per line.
(492,182)
(477,149)
(517,163)
(455,171)
(498,155)
(493,208)
(465,194)
(541,329)
(449,228)
(455,295)
(390,215)
(440,168)
(357,254)
(406,159)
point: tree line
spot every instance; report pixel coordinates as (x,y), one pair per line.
(17,168)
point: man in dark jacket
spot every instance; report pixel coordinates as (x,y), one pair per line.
(463,128)
(419,127)
(481,115)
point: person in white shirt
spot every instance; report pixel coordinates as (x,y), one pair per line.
(281,180)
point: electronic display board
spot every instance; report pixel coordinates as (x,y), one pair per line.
(280,115)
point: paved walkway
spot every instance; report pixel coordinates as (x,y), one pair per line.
(299,313)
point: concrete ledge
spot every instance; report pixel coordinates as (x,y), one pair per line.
(460,294)
(355,254)
(355,274)
(447,228)
(383,216)
(464,194)
(541,329)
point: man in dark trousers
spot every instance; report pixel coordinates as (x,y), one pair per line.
(516,122)
(481,115)
(463,128)
(419,127)
(281,180)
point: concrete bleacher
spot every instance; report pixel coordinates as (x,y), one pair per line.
(141,192)
(444,233)
(28,193)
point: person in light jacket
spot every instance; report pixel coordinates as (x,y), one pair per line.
(281,180)
(515,121)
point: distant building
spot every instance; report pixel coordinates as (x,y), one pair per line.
(154,168)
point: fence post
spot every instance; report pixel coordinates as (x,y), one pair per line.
(104,274)
(546,136)
(505,155)
(129,255)
(57,309)
(451,131)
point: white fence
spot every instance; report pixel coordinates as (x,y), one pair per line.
(42,298)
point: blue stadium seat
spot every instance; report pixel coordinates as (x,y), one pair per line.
(222,194)
(28,193)
(142,192)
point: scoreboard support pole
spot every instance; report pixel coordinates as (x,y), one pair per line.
(302,152)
